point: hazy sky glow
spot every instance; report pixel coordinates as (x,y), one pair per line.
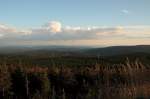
(74,22)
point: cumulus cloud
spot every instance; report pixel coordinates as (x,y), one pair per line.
(54,32)
(53,26)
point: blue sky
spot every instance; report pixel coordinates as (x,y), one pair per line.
(30,13)
(77,16)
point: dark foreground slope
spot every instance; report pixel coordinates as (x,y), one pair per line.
(75,73)
(101,81)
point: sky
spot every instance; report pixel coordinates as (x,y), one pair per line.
(74,22)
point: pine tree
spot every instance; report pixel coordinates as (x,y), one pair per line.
(5,81)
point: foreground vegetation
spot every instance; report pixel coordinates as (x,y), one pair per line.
(130,80)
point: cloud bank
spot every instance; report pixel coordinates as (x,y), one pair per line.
(55,33)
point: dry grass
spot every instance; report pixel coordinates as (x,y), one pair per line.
(117,81)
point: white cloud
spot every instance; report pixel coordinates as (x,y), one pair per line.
(8,31)
(53,26)
(125,11)
(4,28)
(54,32)
(1,35)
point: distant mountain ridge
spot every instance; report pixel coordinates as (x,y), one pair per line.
(119,50)
(78,50)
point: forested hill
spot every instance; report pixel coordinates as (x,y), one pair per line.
(73,51)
